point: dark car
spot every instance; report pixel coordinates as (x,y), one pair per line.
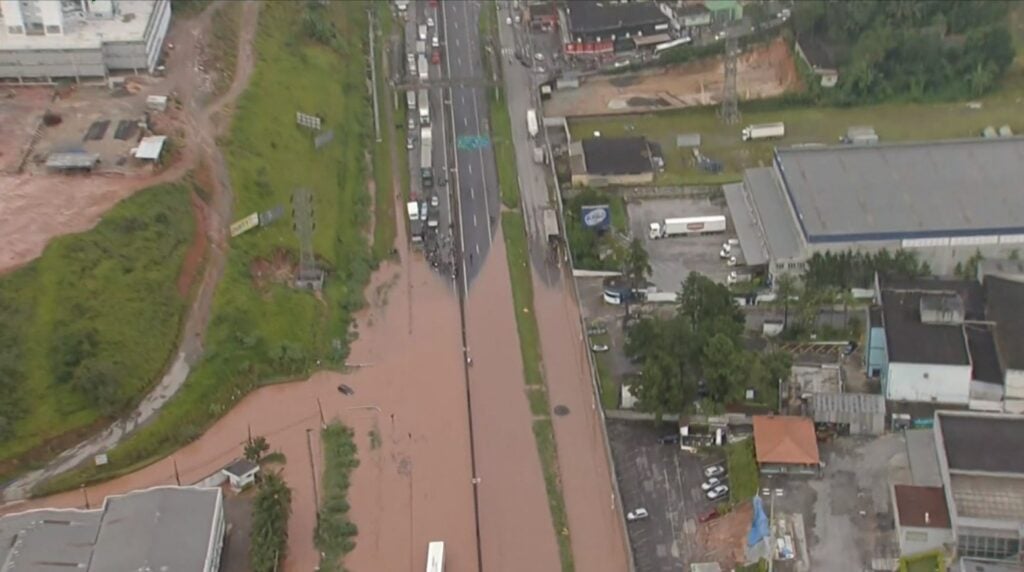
(709,515)
(669,439)
(442,179)
(345,390)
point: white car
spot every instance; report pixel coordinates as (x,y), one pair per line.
(508,21)
(430,22)
(435,42)
(710,484)
(732,261)
(435,201)
(637,514)
(538,56)
(717,492)
(714,471)
(599,348)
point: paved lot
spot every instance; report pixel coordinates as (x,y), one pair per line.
(666,482)
(238,513)
(673,258)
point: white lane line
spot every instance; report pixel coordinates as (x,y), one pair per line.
(470,165)
(478,248)
(472,193)
(487,206)
(462,98)
(459,61)
(465,122)
(456,42)
(474,219)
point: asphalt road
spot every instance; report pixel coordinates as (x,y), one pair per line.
(475,183)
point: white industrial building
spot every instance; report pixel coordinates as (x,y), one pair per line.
(943,200)
(44,41)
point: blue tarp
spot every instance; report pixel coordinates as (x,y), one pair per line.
(759,526)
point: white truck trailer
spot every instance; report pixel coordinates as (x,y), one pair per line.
(435,556)
(421,65)
(687,226)
(426,158)
(860,135)
(764,131)
(531,122)
(424,107)
(422,32)
(421,47)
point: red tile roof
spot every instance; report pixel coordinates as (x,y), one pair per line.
(921,506)
(785,439)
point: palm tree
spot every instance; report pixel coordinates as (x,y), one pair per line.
(786,287)
(255,448)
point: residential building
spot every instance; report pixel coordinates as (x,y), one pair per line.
(817,56)
(163,528)
(786,444)
(592,27)
(724,10)
(949,342)
(43,41)
(692,16)
(945,201)
(922,520)
(613,161)
(983,479)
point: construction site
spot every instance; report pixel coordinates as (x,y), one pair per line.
(762,72)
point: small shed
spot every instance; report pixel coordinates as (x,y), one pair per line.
(72,161)
(687,140)
(156,102)
(150,148)
(859,413)
(241,473)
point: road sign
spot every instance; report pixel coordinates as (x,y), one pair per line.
(473,142)
(246,224)
(307,120)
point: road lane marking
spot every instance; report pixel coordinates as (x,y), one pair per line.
(459,61)
(470,165)
(465,122)
(474,219)
(456,42)
(472,193)
(478,248)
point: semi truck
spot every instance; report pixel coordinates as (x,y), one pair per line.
(861,135)
(531,122)
(422,67)
(424,107)
(764,131)
(687,226)
(426,159)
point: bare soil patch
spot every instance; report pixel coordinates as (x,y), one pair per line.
(279,268)
(724,539)
(194,257)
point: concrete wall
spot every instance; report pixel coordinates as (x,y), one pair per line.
(588,180)
(213,555)
(914,540)
(1014,384)
(928,383)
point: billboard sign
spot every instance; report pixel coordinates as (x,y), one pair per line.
(597,217)
(246,224)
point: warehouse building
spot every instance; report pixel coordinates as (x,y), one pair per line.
(43,41)
(943,200)
(593,27)
(163,528)
(983,477)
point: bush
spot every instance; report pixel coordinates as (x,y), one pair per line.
(335,533)
(271,510)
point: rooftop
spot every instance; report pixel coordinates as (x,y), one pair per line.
(591,17)
(164,528)
(921,506)
(617,155)
(241,467)
(984,358)
(1004,300)
(82,33)
(785,439)
(777,223)
(909,340)
(741,210)
(988,497)
(955,188)
(982,442)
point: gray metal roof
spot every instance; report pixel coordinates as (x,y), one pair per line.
(751,241)
(72,160)
(965,187)
(688,140)
(773,212)
(165,528)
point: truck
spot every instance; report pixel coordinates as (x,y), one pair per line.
(862,135)
(422,35)
(538,155)
(421,47)
(426,158)
(531,122)
(410,100)
(424,107)
(687,226)
(435,556)
(412,208)
(423,69)
(764,131)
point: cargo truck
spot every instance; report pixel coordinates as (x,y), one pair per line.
(423,32)
(764,131)
(424,107)
(421,47)
(531,122)
(423,69)
(426,159)
(687,226)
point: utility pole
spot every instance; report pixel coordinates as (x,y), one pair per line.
(730,97)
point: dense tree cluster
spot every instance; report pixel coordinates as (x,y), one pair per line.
(698,352)
(910,49)
(271,510)
(845,270)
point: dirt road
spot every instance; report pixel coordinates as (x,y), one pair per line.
(202,130)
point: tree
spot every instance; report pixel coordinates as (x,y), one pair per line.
(636,264)
(660,388)
(270,512)
(255,448)
(720,364)
(785,288)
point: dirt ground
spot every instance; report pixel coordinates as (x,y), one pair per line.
(764,72)
(724,539)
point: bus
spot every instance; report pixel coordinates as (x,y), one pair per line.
(435,556)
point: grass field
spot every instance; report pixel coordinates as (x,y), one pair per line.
(383,204)
(742,471)
(544,432)
(809,124)
(335,533)
(90,325)
(262,329)
(514,228)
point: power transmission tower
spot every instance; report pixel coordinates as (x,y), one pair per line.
(304,223)
(730,98)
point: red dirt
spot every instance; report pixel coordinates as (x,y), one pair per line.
(723,539)
(196,251)
(595,523)
(280,268)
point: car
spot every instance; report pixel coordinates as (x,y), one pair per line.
(599,348)
(708,515)
(442,180)
(518,19)
(410,143)
(435,57)
(412,123)
(435,42)
(435,201)
(710,484)
(637,514)
(672,439)
(538,56)
(732,261)
(714,471)
(508,21)
(430,22)
(717,492)
(596,330)
(345,390)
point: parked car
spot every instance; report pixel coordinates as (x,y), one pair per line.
(599,348)
(718,492)
(637,514)
(714,471)
(596,330)
(345,390)
(710,484)
(708,515)
(672,439)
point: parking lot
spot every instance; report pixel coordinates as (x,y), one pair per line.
(672,259)
(666,482)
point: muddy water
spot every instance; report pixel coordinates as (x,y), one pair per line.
(596,525)
(515,522)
